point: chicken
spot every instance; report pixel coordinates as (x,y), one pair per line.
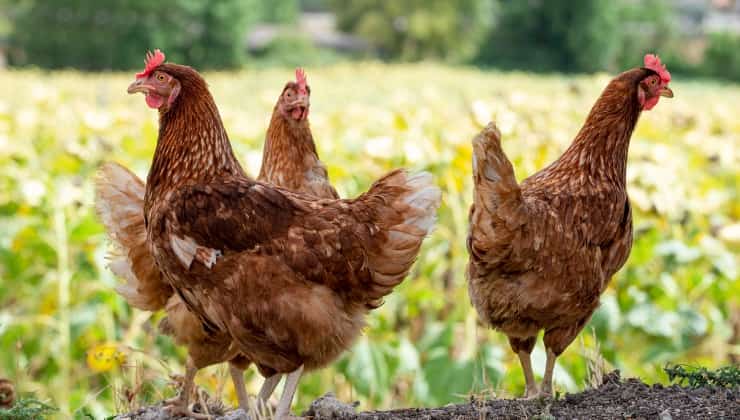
(120,205)
(289,158)
(543,251)
(120,199)
(287,276)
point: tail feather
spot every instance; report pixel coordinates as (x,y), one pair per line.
(413,200)
(498,208)
(119,201)
(493,173)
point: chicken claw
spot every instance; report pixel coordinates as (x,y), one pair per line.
(178,407)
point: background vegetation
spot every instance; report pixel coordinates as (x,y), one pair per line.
(559,35)
(67,339)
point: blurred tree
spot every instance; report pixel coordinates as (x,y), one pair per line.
(314,5)
(579,35)
(110,34)
(722,57)
(280,11)
(417,29)
(646,27)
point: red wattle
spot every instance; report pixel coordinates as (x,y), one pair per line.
(154,101)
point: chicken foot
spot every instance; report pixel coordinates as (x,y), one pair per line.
(291,384)
(179,405)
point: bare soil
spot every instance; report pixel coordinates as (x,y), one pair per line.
(614,399)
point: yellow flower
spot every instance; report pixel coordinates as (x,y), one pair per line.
(105,357)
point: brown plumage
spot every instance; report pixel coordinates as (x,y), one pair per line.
(543,251)
(289,158)
(288,277)
(120,201)
(120,206)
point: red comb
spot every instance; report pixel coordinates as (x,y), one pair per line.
(152,61)
(300,78)
(653,63)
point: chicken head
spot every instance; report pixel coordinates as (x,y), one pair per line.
(160,88)
(294,100)
(654,86)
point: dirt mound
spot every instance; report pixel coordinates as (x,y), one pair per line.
(614,399)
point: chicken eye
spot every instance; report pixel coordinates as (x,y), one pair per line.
(161,77)
(652,82)
(289,94)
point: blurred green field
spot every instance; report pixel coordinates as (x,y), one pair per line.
(66,337)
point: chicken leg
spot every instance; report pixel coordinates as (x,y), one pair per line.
(291,383)
(179,405)
(523,348)
(546,390)
(237,376)
(556,341)
(268,387)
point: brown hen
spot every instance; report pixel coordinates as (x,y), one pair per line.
(120,205)
(288,277)
(289,158)
(120,200)
(543,251)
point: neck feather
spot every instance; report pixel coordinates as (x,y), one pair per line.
(286,143)
(600,148)
(192,146)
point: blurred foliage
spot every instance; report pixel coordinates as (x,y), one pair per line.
(417,29)
(77,345)
(294,51)
(579,35)
(110,34)
(647,26)
(722,56)
(533,35)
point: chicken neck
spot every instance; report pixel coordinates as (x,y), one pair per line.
(192,147)
(287,143)
(599,151)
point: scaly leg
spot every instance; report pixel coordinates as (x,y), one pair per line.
(179,406)
(523,349)
(526,361)
(556,341)
(237,376)
(291,383)
(547,379)
(268,387)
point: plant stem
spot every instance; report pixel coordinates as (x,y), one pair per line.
(63,274)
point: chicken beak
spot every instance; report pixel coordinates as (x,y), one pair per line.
(139,85)
(666,92)
(303,100)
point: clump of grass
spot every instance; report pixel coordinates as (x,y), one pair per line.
(596,366)
(697,377)
(27,409)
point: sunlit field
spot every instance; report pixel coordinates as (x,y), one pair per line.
(66,337)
